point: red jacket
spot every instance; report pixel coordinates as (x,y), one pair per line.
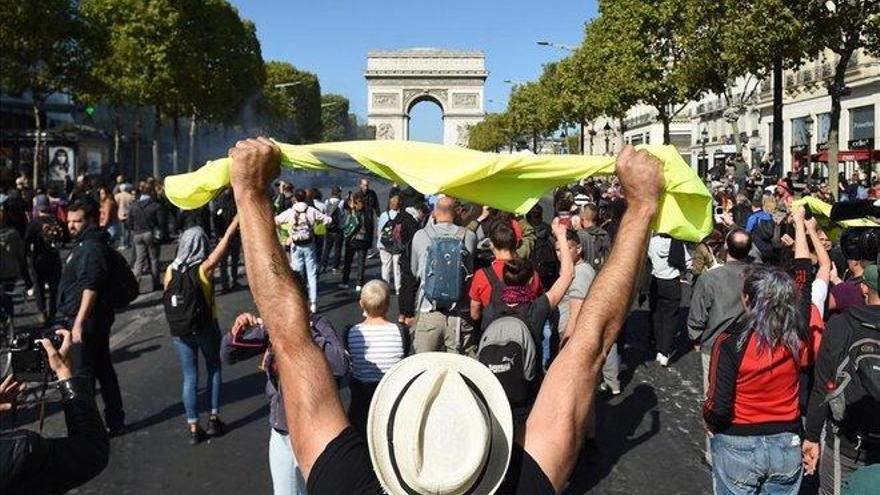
(753,390)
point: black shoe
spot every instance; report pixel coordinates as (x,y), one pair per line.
(196,435)
(215,427)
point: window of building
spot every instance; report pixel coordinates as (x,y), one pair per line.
(823,122)
(861,123)
(799,131)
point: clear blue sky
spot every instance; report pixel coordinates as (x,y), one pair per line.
(332,37)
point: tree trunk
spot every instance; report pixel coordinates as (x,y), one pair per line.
(175,144)
(836,90)
(190,159)
(38,125)
(582,139)
(157,126)
(535,143)
(778,82)
(137,149)
(665,120)
(116,133)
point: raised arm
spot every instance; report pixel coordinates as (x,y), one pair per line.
(314,413)
(220,250)
(555,429)
(566,266)
(824,272)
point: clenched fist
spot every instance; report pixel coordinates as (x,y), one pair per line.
(641,177)
(255,164)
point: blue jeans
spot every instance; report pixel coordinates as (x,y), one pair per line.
(287,478)
(756,464)
(304,257)
(188,353)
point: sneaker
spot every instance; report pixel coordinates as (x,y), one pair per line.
(313,308)
(662,360)
(216,427)
(196,435)
(358,289)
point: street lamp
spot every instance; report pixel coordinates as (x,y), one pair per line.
(561,46)
(592,133)
(607,131)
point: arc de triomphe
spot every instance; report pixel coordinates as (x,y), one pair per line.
(398,80)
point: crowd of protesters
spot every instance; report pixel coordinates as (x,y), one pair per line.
(775,305)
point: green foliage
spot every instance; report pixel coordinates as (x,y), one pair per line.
(642,44)
(182,57)
(293,111)
(530,112)
(41,47)
(335,118)
(489,135)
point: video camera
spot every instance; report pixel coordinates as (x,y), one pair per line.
(28,358)
(859,243)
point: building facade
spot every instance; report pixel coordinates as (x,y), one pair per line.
(806,119)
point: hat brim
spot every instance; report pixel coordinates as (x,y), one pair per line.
(395,382)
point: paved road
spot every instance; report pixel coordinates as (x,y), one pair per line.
(650,436)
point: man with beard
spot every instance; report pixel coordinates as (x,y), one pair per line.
(83,297)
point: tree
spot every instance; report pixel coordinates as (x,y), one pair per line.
(642,44)
(741,40)
(588,86)
(41,53)
(335,118)
(291,102)
(143,40)
(530,112)
(489,135)
(843,27)
(222,62)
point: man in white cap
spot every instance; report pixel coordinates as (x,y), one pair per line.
(439,423)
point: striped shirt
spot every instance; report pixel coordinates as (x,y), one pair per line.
(374,350)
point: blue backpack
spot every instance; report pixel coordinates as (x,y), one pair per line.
(444,269)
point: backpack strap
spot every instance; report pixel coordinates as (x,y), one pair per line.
(496,284)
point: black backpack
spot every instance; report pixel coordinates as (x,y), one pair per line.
(543,257)
(857,377)
(507,347)
(595,246)
(391,236)
(124,286)
(186,308)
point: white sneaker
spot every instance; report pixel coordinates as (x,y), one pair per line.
(313,308)
(358,289)
(662,360)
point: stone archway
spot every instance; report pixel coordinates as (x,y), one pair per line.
(398,80)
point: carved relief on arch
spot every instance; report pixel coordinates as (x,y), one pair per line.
(385,100)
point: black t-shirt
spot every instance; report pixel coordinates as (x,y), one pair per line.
(344,468)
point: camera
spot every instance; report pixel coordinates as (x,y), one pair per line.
(28,357)
(861,243)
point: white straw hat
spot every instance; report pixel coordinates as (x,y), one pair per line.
(440,424)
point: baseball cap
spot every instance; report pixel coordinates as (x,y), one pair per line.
(871,278)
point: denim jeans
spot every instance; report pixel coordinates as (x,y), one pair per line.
(6,301)
(188,348)
(303,257)
(768,464)
(287,479)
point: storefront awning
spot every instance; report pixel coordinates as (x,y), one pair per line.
(849,156)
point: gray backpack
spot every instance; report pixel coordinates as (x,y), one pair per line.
(509,351)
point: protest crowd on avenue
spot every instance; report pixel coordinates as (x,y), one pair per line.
(516,310)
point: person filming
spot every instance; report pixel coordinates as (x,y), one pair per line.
(30,463)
